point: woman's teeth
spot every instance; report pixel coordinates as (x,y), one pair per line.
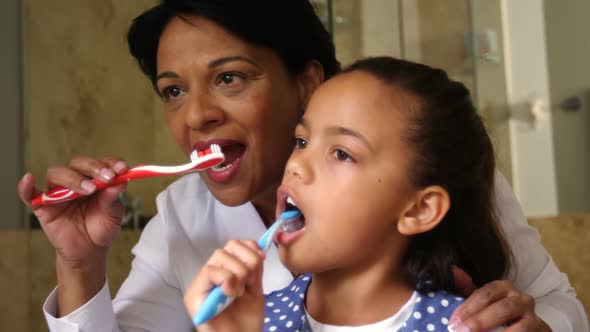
(221,167)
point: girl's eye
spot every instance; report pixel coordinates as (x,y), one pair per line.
(171,92)
(342,156)
(300,143)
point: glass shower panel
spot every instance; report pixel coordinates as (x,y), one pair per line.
(432,32)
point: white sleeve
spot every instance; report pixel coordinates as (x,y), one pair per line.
(95,315)
(148,300)
(533,271)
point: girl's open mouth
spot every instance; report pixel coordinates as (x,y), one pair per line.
(292,229)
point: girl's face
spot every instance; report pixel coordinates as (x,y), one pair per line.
(348,177)
(219,89)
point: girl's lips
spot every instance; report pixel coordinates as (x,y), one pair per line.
(286,239)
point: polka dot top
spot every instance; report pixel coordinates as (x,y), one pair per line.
(284,310)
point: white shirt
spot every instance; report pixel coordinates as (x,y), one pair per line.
(191,224)
(392,323)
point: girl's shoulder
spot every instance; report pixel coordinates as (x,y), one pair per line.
(283,308)
(432,310)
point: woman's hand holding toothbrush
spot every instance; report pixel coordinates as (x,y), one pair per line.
(81,230)
(238,269)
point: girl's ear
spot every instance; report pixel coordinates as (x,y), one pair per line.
(309,80)
(425,211)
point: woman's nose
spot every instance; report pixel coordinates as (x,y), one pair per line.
(203,113)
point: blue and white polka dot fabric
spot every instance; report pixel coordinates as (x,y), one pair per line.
(284,310)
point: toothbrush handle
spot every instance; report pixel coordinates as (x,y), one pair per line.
(62,194)
(213,304)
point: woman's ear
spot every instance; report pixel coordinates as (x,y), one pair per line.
(309,80)
(425,211)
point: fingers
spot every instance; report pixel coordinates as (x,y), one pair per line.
(491,306)
(232,268)
(118,165)
(26,189)
(77,174)
(463,283)
(103,170)
(241,259)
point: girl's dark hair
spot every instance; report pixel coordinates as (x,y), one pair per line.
(453,150)
(289,27)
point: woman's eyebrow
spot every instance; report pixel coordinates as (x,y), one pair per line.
(212,64)
(167,74)
(221,61)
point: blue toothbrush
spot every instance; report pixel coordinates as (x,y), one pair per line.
(216,301)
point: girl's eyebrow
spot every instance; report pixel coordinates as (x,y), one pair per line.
(339,130)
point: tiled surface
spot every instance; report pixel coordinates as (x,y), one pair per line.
(84,93)
(43,270)
(14,281)
(567,239)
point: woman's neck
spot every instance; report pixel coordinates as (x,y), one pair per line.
(342,298)
(266,204)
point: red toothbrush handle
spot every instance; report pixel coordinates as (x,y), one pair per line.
(62,194)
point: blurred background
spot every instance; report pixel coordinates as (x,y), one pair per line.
(69,87)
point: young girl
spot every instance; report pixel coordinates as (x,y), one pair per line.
(393,174)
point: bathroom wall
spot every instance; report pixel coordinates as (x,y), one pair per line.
(11,167)
(85,95)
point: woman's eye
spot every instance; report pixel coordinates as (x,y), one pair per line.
(171,92)
(300,143)
(341,155)
(229,79)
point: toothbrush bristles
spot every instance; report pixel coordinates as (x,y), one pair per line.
(194,156)
(214,148)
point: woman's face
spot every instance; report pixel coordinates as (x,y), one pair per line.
(219,89)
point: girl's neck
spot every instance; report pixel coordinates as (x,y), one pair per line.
(367,297)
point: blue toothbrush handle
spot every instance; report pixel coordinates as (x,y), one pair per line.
(214,303)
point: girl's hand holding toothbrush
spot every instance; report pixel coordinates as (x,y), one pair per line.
(238,269)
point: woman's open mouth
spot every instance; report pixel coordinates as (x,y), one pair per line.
(225,171)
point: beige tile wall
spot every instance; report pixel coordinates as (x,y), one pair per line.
(84,93)
(14,281)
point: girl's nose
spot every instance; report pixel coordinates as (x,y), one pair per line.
(298,167)
(203,113)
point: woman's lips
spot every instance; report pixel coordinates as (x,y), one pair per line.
(224,172)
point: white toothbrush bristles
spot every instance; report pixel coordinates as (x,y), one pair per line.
(214,148)
(194,156)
